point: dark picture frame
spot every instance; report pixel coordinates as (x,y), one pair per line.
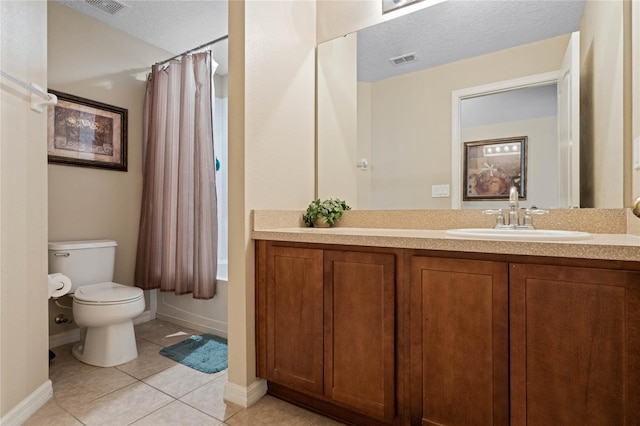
(492,166)
(85,133)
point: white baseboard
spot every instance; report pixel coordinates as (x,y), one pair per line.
(146,316)
(60,339)
(72,336)
(245,396)
(218,331)
(207,316)
(153,302)
(28,406)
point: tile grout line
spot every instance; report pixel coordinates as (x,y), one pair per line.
(67,411)
(221,378)
(157,409)
(196,408)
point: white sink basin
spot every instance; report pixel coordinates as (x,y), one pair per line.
(518,234)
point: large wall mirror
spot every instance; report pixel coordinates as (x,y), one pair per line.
(397,102)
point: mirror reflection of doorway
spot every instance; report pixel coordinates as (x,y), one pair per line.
(530,112)
(553,177)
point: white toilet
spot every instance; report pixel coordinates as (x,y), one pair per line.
(105,308)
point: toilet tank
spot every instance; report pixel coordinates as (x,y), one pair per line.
(84,262)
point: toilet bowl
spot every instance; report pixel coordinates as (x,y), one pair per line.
(106,309)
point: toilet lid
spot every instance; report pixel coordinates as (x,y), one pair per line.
(107,293)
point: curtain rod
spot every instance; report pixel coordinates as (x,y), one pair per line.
(35,90)
(30,87)
(194,49)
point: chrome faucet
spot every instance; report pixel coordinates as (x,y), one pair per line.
(513,219)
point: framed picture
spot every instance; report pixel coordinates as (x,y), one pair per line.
(493,166)
(86,133)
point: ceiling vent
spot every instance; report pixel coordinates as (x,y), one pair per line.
(110,6)
(404,59)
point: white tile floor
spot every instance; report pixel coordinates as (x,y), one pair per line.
(153,391)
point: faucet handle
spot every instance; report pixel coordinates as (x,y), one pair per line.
(536,211)
(528,221)
(498,214)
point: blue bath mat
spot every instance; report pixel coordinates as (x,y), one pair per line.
(206,353)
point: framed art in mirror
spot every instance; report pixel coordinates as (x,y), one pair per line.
(86,133)
(493,166)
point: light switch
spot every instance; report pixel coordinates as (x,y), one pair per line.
(439,191)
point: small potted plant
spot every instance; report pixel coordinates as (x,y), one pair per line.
(323,214)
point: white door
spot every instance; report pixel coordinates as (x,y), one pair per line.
(569,124)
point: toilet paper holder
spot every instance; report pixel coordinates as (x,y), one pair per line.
(58,285)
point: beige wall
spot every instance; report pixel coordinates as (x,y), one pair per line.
(417,107)
(601,104)
(271,143)
(364,145)
(338,18)
(23,206)
(337,120)
(108,66)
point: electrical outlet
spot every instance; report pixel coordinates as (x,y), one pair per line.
(439,191)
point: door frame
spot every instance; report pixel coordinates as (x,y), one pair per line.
(635,98)
(457,96)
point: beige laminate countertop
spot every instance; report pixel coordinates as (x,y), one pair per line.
(622,247)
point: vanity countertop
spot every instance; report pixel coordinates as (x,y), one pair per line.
(612,244)
(624,247)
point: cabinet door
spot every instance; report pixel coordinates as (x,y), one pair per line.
(575,346)
(459,342)
(359,332)
(294,318)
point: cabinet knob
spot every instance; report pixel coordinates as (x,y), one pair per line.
(636,207)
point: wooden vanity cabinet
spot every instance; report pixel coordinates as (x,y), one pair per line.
(459,342)
(326,330)
(359,335)
(561,347)
(575,346)
(293,318)
(405,337)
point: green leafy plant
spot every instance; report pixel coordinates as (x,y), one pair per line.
(329,211)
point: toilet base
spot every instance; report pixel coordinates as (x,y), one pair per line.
(107,346)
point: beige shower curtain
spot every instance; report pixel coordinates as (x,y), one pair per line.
(177,243)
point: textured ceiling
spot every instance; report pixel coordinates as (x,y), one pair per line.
(446,32)
(172,25)
(456,30)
